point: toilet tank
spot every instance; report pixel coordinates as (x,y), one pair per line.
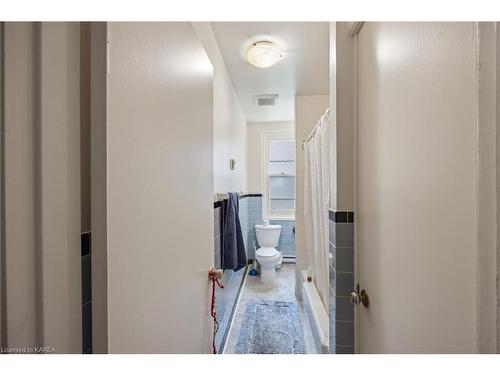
(268,235)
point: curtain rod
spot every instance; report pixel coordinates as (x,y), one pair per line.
(313,131)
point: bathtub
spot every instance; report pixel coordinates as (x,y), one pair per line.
(316,315)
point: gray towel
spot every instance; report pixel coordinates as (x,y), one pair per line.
(234,256)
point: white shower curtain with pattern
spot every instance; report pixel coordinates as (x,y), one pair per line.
(316,204)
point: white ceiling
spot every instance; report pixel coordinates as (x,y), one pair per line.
(302,71)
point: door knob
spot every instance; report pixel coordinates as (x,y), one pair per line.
(356,297)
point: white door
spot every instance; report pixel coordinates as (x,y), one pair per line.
(41,251)
(159,189)
(416,208)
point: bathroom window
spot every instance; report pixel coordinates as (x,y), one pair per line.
(279,178)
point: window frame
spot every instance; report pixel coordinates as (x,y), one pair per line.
(267,138)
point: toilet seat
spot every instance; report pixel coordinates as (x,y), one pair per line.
(267,252)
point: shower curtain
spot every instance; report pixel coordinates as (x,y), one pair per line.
(316,204)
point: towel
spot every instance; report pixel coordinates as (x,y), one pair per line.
(234,256)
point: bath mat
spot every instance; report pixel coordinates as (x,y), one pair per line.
(271,327)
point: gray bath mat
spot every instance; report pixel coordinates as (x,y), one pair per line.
(271,327)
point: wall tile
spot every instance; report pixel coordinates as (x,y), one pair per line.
(217,243)
(344,283)
(340,349)
(341,236)
(332,335)
(331,299)
(86,279)
(225,303)
(87,328)
(217,228)
(217,260)
(332,278)
(287,237)
(344,333)
(331,319)
(344,235)
(217,213)
(332,256)
(331,233)
(344,259)
(85,243)
(344,309)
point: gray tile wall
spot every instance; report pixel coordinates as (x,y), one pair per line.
(86,293)
(341,259)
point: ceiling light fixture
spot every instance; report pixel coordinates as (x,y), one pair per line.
(264,54)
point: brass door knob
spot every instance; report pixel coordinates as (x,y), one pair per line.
(356,297)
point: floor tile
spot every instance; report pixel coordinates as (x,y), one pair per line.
(284,290)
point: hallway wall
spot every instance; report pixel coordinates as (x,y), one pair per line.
(41,284)
(98,181)
(497,118)
(342,81)
(229,124)
(85,186)
(85,125)
(342,186)
(19,293)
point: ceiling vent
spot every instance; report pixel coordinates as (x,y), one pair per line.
(265,100)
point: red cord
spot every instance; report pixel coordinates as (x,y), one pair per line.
(213,276)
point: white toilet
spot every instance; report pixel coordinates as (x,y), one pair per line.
(268,257)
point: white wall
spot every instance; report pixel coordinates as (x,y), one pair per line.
(99,190)
(20,306)
(497,114)
(229,121)
(487,51)
(2,253)
(308,111)
(342,117)
(85,125)
(488,325)
(255,152)
(59,163)
(159,189)
(42,295)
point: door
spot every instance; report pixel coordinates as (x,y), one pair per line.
(159,189)
(40,141)
(416,172)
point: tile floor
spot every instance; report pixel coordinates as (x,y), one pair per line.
(284,290)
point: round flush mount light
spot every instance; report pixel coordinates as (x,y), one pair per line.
(264,54)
